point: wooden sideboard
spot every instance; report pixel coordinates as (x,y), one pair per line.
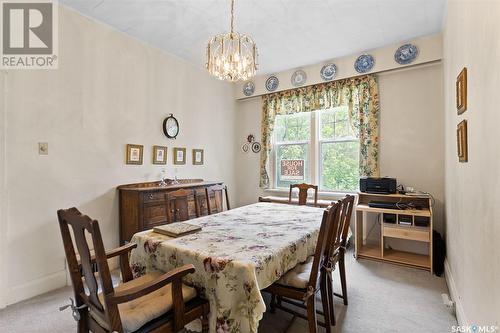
(142,205)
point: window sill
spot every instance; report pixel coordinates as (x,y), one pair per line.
(321,194)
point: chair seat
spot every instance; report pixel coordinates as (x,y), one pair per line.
(137,313)
(298,277)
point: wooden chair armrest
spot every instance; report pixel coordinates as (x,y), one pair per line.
(125,249)
(174,275)
(123,252)
(115,252)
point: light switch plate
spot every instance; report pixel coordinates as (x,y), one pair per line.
(43,148)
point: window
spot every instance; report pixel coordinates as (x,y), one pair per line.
(292,142)
(338,151)
(318,147)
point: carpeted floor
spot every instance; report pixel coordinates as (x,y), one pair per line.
(382,298)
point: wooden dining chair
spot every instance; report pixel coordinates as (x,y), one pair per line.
(215,198)
(303,189)
(337,252)
(177,205)
(300,285)
(151,303)
(201,201)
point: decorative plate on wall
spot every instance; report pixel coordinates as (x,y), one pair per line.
(405,54)
(248,88)
(256,147)
(328,72)
(272,83)
(364,63)
(299,78)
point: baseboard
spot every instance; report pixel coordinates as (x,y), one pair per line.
(452,288)
(36,287)
(3,301)
(45,284)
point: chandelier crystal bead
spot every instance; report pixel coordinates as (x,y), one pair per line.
(232,56)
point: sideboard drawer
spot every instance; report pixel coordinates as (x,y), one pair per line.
(410,233)
(153,196)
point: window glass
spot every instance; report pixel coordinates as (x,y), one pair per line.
(295,153)
(339,166)
(335,124)
(292,128)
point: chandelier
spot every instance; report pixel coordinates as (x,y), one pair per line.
(232,56)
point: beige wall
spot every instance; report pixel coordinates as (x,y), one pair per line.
(411,131)
(411,137)
(3,206)
(472,40)
(109,90)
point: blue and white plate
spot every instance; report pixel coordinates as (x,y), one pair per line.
(248,88)
(328,72)
(299,78)
(272,83)
(405,54)
(364,63)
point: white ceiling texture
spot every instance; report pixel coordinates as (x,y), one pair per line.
(288,33)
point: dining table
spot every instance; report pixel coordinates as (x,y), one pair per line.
(236,254)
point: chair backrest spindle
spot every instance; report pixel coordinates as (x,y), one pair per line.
(215,196)
(303,189)
(338,238)
(347,207)
(80,224)
(329,222)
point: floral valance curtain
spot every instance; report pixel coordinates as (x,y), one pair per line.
(359,94)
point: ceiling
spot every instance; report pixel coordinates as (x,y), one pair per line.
(288,33)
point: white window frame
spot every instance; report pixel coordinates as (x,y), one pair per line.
(277,144)
(315,145)
(320,141)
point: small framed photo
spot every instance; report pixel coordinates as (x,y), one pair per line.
(462,91)
(179,156)
(462,141)
(134,154)
(197,156)
(159,155)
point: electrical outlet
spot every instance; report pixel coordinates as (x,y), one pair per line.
(448,302)
(43,148)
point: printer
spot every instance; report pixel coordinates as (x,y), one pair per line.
(383,185)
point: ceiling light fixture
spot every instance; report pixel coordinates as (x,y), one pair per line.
(232,56)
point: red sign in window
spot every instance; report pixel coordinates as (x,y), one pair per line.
(292,169)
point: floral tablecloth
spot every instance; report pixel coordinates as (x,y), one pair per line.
(236,254)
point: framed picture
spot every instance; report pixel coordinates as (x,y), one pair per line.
(462,141)
(159,155)
(462,91)
(179,156)
(197,156)
(134,154)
